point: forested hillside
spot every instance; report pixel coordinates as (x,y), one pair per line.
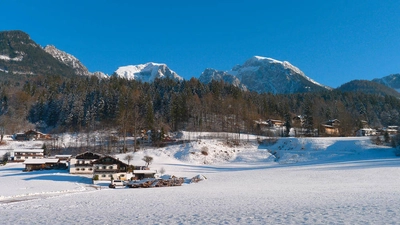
(58,103)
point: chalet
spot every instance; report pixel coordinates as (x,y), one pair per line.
(390,129)
(82,163)
(298,120)
(40,164)
(20,137)
(20,155)
(107,168)
(274,123)
(366,132)
(331,127)
(36,135)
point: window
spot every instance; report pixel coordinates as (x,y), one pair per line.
(77,169)
(34,157)
(83,169)
(104,167)
(90,169)
(26,157)
(110,175)
(97,167)
(110,167)
(103,175)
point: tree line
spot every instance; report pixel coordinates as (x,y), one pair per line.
(56,104)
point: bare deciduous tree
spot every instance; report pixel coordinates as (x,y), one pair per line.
(128,158)
(148,160)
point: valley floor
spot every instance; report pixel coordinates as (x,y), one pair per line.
(358,187)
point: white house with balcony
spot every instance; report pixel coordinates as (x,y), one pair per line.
(82,163)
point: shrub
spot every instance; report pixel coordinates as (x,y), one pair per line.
(96,177)
(396,144)
(204,150)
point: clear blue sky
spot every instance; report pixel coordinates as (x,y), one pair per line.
(332,42)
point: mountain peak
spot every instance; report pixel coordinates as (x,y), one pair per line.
(147,72)
(263,74)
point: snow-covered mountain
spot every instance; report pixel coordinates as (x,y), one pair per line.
(72,62)
(146,72)
(263,74)
(392,81)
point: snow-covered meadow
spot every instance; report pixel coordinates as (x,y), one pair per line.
(303,181)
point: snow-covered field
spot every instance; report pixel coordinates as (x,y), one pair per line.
(304,181)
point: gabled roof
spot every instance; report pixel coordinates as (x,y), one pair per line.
(88,155)
(108,160)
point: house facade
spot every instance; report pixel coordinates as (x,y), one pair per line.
(331,127)
(107,168)
(82,163)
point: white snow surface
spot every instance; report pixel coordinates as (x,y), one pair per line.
(303,181)
(7,58)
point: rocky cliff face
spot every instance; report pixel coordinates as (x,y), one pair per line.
(211,74)
(68,60)
(21,55)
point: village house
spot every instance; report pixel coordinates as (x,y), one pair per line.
(82,163)
(36,135)
(275,123)
(20,155)
(392,130)
(366,132)
(108,168)
(331,127)
(20,137)
(41,164)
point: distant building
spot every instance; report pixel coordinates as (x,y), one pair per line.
(391,129)
(366,132)
(20,137)
(20,155)
(41,164)
(36,135)
(331,127)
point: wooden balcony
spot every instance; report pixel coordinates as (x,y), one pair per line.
(86,165)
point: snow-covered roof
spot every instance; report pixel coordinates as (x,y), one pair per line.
(38,150)
(40,161)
